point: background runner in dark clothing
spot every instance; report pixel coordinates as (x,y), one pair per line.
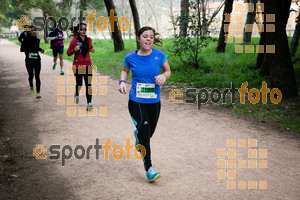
(33,60)
(57,36)
(23,37)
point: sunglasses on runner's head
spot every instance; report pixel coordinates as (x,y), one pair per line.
(83,29)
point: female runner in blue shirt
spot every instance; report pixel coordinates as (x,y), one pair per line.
(144,95)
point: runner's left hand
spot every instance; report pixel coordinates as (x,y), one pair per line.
(93,50)
(160,79)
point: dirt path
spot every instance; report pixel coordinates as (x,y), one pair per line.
(184,147)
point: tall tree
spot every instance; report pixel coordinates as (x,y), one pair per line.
(45,15)
(136,20)
(278,65)
(171,6)
(48,8)
(184,15)
(5,4)
(206,17)
(249,20)
(11,10)
(154,14)
(65,6)
(116,34)
(221,42)
(295,40)
(87,5)
(122,9)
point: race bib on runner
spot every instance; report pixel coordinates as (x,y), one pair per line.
(145,91)
(33,55)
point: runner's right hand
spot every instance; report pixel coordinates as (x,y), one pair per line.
(77,48)
(122,88)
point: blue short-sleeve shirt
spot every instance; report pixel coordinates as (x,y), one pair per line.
(144,69)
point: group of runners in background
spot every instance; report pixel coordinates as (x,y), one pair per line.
(145,63)
(81,46)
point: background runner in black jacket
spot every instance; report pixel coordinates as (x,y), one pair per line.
(31,46)
(23,36)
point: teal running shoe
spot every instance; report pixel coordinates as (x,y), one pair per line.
(38,96)
(152,175)
(89,107)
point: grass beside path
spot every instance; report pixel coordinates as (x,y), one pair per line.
(218,71)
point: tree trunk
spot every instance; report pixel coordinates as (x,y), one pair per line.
(152,10)
(136,20)
(129,30)
(172,16)
(279,65)
(184,14)
(45,27)
(81,16)
(221,42)
(249,20)
(69,18)
(116,34)
(170,4)
(204,25)
(295,40)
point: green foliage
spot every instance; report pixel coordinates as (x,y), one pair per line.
(87,5)
(15,12)
(9,11)
(4,6)
(5,22)
(286,113)
(188,48)
(216,71)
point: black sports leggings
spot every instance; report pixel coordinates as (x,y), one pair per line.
(145,117)
(36,65)
(85,76)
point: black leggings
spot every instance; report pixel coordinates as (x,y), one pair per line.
(88,91)
(36,65)
(145,117)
